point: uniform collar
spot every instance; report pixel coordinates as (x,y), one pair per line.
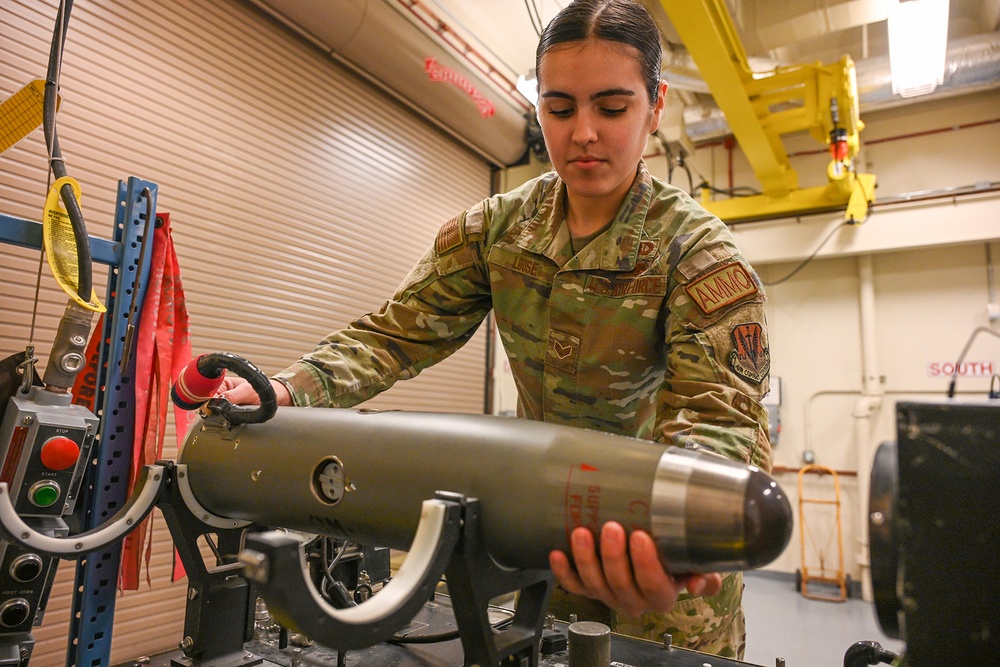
(546,232)
(617,249)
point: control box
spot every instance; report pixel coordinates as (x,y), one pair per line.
(45,442)
(43,438)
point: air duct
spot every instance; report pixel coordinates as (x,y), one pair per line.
(972,65)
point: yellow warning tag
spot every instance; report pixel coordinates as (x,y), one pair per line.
(22,113)
(60,245)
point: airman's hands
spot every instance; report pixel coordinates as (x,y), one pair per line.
(628,575)
(238,391)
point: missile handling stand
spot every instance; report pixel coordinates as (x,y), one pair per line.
(274,560)
(220,603)
(221,600)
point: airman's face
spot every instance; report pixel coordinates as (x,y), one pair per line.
(596,116)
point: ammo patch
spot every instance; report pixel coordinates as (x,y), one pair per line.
(449,236)
(750,358)
(722,287)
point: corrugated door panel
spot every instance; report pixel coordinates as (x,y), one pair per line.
(299,198)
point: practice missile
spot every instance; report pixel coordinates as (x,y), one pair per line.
(362,475)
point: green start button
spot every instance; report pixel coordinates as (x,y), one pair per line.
(44,494)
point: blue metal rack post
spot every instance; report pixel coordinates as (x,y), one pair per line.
(106,480)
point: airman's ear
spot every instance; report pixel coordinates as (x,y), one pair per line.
(661,101)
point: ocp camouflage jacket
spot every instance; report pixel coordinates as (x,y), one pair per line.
(654,330)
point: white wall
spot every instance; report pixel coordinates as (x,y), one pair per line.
(927,303)
(931,290)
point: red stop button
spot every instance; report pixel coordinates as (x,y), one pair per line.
(59,453)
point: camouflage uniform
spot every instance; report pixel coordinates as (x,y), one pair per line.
(654,330)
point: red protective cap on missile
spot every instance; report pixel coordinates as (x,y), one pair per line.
(193,388)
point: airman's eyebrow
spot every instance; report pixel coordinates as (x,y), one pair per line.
(611,92)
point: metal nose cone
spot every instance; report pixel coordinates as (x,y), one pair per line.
(767,519)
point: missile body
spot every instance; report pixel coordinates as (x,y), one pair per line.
(362,475)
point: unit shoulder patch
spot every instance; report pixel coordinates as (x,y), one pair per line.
(750,357)
(722,287)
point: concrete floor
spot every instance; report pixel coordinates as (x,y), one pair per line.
(806,633)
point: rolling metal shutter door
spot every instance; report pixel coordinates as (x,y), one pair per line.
(299,198)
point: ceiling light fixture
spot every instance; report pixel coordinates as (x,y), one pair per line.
(918,41)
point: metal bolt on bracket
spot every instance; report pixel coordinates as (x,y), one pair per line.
(255,564)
